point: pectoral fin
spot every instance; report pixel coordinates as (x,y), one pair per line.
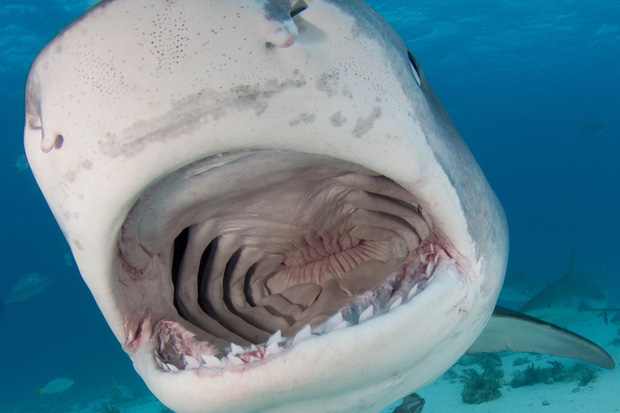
(514,331)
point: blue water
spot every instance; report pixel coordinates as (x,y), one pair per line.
(521,80)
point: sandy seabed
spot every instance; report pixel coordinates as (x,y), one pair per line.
(600,396)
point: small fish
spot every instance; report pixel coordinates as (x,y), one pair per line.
(123,390)
(55,386)
(69,259)
(592,128)
(21,163)
(28,286)
(411,404)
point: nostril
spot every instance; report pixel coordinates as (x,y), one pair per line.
(59,141)
(51,141)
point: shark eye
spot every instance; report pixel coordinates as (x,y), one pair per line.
(298,7)
(415,68)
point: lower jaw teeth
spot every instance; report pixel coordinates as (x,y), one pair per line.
(238,355)
(393,293)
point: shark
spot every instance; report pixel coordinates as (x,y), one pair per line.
(574,297)
(26,287)
(269,204)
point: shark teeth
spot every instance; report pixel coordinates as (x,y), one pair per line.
(211,362)
(236,349)
(160,363)
(366,314)
(333,321)
(342,325)
(272,349)
(302,335)
(237,355)
(234,360)
(397,302)
(276,337)
(396,291)
(191,362)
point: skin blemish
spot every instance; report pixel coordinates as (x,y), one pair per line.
(337,119)
(365,124)
(304,118)
(328,83)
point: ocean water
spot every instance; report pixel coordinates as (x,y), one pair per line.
(534,88)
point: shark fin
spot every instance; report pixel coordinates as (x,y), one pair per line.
(509,330)
(518,271)
(574,266)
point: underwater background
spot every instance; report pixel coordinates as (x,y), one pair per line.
(533,87)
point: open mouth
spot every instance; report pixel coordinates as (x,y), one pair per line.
(241,256)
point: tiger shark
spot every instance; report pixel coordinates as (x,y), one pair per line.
(574,297)
(268,202)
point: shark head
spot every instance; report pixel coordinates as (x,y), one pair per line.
(269,204)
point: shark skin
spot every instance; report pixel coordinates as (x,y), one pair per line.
(574,297)
(273,213)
